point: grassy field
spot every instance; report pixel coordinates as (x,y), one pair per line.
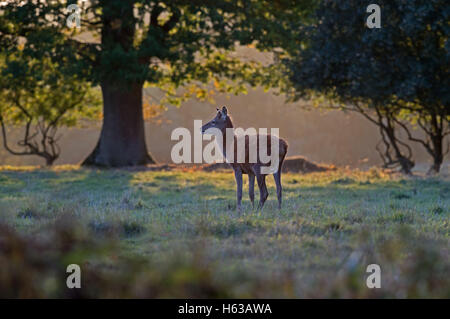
(177,234)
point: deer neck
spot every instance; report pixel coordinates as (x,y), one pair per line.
(227,135)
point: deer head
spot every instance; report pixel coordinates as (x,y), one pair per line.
(221,121)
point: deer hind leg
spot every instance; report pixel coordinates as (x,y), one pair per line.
(238,177)
(251,188)
(277,178)
(263,193)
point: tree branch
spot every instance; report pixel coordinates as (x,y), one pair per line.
(426,145)
(5,141)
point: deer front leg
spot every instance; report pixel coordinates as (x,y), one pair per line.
(238,177)
(251,188)
(277,178)
(263,193)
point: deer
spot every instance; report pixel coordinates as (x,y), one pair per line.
(223,124)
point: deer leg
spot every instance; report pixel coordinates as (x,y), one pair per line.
(251,188)
(277,178)
(263,193)
(238,177)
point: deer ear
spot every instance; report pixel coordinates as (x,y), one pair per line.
(224,110)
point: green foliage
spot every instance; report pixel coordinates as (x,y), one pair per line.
(37,90)
(39,96)
(394,74)
(407,59)
(166,45)
(170,45)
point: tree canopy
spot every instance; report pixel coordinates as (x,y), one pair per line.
(124,44)
(389,73)
(35,94)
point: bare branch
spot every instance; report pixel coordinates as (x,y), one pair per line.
(411,138)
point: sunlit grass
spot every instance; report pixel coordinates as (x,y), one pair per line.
(305,247)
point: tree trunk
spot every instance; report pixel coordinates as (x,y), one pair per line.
(405,163)
(438,153)
(437,139)
(435,168)
(122,139)
(50,160)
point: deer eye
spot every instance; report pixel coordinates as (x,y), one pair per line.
(213,122)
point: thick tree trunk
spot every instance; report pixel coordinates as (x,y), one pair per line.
(438,153)
(405,163)
(122,139)
(50,161)
(435,168)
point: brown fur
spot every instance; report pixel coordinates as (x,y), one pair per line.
(222,121)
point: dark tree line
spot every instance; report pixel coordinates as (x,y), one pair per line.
(396,76)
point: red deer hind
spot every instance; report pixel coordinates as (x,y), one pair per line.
(249,163)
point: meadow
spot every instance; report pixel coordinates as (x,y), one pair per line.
(160,234)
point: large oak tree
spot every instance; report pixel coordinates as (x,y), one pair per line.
(167,44)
